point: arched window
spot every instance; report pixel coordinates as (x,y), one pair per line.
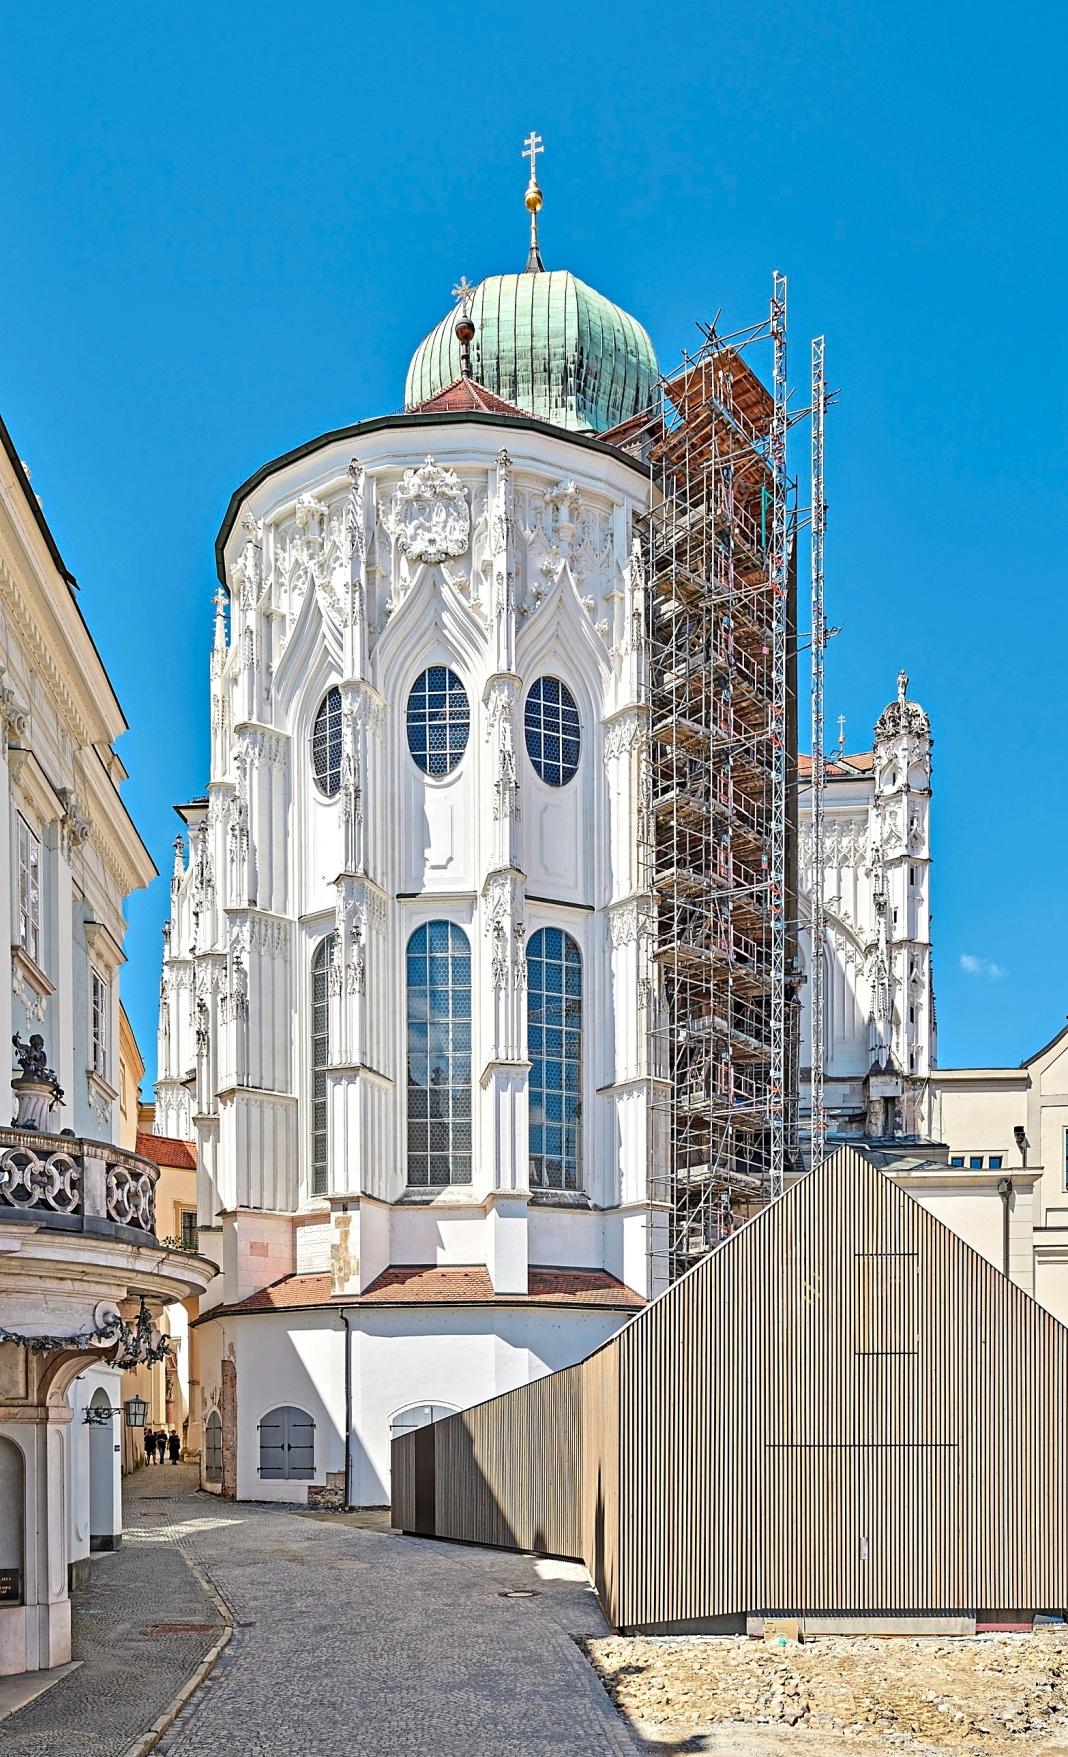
(287,1445)
(322,958)
(554,1044)
(213,1450)
(439,1056)
(418,1415)
(439,719)
(551,723)
(326,743)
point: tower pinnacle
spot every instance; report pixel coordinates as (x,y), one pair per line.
(533,200)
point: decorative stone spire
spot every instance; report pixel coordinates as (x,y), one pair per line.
(533,201)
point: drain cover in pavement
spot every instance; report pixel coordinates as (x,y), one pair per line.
(181,1628)
(517,1593)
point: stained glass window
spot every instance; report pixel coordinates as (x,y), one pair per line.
(552,731)
(439,1056)
(326,743)
(439,720)
(554,1044)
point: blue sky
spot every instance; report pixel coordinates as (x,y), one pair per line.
(227,228)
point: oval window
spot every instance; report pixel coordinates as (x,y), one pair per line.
(552,731)
(439,720)
(326,743)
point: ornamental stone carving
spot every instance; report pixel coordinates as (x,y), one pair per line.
(431,517)
(625,732)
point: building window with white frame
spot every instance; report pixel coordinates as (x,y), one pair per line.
(29,858)
(322,959)
(99,1024)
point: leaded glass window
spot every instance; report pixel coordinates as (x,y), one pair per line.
(439,1056)
(439,720)
(320,1055)
(554,1044)
(326,743)
(552,731)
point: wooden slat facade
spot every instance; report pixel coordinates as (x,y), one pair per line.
(843,1410)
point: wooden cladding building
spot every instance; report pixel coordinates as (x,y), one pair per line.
(844,1411)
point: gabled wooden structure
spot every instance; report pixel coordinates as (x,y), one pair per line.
(844,1411)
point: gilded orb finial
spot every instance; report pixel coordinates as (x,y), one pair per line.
(533,200)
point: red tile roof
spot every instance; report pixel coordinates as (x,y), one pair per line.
(466,396)
(165,1150)
(422,1285)
(842,769)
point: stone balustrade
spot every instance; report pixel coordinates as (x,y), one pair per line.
(61,1178)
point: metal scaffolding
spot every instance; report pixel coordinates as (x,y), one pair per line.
(818,889)
(720,787)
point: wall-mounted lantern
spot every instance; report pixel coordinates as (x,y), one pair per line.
(136,1411)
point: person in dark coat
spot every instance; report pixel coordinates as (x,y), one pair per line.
(174,1445)
(150,1445)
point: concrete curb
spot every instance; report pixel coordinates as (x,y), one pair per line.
(148,1741)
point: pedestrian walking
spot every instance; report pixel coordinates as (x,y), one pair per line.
(150,1445)
(174,1445)
(161,1445)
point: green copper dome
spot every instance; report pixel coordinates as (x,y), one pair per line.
(549,344)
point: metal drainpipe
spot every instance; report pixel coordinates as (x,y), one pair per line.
(1005,1192)
(348,1407)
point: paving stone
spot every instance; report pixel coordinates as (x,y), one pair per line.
(128,1674)
(348,1639)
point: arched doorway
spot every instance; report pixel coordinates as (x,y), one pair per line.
(102,1475)
(12,1519)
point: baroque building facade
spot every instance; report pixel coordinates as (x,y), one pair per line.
(82,1274)
(405,973)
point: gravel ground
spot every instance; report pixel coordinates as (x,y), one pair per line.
(992,1694)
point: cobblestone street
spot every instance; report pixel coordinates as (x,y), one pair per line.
(345,1640)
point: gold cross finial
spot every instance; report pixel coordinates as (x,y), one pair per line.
(533,200)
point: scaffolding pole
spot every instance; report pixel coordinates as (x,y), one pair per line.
(778,1101)
(817,1103)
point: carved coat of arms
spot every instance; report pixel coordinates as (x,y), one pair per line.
(431,517)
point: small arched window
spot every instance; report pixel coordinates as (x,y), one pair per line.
(554,1044)
(326,743)
(287,1445)
(322,958)
(439,720)
(553,736)
(213,1447)
(439,1056)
